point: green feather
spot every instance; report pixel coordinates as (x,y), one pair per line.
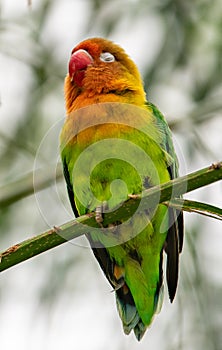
(105,163)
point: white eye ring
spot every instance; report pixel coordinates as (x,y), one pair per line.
(107,57)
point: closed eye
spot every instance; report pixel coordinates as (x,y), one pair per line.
(107,57)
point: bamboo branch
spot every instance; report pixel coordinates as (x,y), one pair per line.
(87,223)
(196,207)
(23,187)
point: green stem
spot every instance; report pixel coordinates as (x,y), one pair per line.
(86,224)
(195,207)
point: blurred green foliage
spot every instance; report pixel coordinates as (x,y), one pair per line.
(183,75)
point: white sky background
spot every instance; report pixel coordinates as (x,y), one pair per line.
(88,319)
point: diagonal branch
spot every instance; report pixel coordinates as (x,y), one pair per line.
(87,223)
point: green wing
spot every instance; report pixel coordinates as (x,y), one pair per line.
(174,240)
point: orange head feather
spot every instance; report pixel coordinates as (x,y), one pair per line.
(101,71)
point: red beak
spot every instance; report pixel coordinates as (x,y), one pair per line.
(78,64)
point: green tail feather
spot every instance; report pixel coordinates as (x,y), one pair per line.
(129,314)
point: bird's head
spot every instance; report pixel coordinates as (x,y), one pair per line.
(101,71)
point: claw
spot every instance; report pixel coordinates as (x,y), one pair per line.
(57,229)
(134,196)
(117,287)
(118,277)
(99,213)
(99,216)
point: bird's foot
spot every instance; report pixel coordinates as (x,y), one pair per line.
(118,286)
(134,196)
(216,166)
(99,213)
(57,229)
(118,277)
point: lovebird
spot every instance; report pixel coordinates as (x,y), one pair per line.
(114,146)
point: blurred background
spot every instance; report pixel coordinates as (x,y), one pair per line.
(61,299)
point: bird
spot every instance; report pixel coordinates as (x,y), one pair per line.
(114,145)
